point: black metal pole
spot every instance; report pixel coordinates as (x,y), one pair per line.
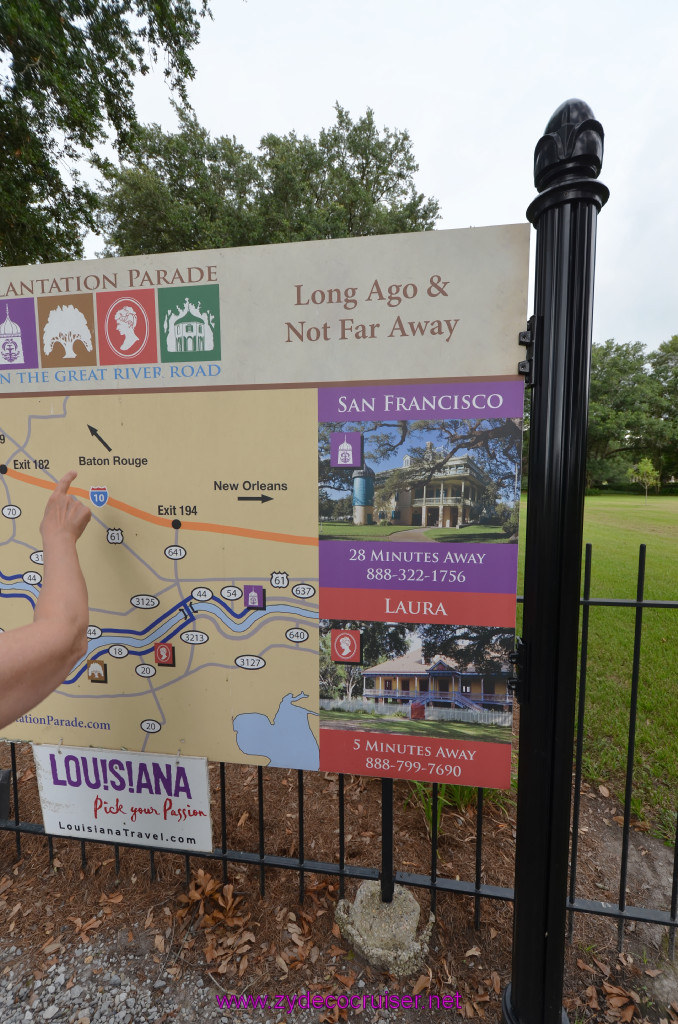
(387,879)
(568,159)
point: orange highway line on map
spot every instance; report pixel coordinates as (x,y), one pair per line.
(237,531)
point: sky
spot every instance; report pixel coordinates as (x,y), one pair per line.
(474,84)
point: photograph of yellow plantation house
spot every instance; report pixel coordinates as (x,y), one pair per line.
(445,696)
(435,690)
(451,498)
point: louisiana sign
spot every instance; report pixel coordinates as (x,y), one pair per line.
(121,797)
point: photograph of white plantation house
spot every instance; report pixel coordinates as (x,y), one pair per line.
(451,481)
(451,498)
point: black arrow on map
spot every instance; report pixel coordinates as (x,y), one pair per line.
(95,433)
(258,497)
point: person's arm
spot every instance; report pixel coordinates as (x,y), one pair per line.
(35,659)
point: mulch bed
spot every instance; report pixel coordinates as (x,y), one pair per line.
(242,942)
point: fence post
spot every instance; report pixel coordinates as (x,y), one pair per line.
(386,875)
(567,161)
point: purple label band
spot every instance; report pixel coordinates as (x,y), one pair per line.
(18,334)
(486,399)
(366,565)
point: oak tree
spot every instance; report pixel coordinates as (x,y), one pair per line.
(67,71)
(184,190)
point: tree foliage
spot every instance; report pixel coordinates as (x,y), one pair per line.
(353,181)
(185,190)
(621,400)
(379,641)
(178,192)
(485,648)
(66,81)
(633,412)
(645,474)
(330,675)
(663,363)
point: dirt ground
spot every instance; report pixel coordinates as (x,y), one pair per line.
(238,941)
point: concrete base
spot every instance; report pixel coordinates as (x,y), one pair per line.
(385,934)
(665,986)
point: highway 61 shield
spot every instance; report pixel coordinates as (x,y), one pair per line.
(98,496)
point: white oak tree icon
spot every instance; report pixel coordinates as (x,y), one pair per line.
(66,325)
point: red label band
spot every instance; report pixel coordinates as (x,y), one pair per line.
(422,758)
(344,603)
(345,645)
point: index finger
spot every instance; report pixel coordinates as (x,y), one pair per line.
(65,482)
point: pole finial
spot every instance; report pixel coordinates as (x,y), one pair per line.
(571,146)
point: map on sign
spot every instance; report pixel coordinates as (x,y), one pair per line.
(201,563)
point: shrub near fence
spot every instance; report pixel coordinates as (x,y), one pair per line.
(480,717)
(362,707)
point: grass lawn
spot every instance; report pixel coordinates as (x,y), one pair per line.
(347,531)
(469,731)
(383,531)
(616,526)
(469,535)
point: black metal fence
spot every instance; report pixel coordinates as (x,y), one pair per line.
(474,887)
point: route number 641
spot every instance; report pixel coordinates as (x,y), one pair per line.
(175,552)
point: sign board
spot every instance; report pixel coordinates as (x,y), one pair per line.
(242,420)
(121,797)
